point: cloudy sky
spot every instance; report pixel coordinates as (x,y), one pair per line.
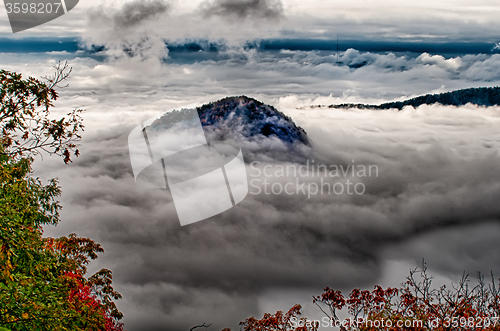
(436,195)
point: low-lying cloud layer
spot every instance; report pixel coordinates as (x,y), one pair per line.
(437,168)
(361,77)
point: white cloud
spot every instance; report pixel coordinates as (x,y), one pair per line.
(438,165)
(381,20)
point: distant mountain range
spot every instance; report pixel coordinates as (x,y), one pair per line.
(240,117)
(483,96)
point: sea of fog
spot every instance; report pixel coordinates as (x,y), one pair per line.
(435,197)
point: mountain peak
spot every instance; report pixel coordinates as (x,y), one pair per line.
(249,118)
(480,96)
(240,117)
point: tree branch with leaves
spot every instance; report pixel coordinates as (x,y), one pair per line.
(26,128)
(43,283)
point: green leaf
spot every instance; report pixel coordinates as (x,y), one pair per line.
(42,283)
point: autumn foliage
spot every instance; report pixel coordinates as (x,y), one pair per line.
(43,283)
(26,128)
(418,305)
(278,322)
(415,305)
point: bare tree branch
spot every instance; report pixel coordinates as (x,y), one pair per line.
(200,326)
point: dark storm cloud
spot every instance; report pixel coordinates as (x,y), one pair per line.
(134,13)
(130,14)
(126,31)
(255,9)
